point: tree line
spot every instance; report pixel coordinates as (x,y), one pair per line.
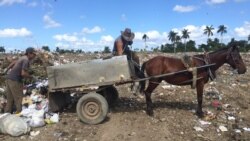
(190,46)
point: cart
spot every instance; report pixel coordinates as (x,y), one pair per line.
(94,80)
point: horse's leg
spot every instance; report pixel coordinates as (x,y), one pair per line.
(199,90)
(151,86)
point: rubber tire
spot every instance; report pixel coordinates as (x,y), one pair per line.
(92,98)
(110,94)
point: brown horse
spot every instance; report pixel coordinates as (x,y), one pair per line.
(163,65)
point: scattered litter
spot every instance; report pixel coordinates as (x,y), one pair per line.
(216,104)
(55,118)
(223,128)
(226,105)
(2,90)
(58,134)
(212,93)
(132,134)
(198,129)
(163,119)
(34,133)
(237,131)
(202,122)
(168,86)
(209,116)
(234,84)
(231,118)
(246,129)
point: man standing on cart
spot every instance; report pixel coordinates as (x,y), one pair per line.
(121,47)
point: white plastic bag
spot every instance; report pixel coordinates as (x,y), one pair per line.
(37,119)
(55,118)
(36,122)
(13,125)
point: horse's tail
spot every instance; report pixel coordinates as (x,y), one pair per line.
(142,83)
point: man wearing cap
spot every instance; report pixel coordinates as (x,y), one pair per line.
(14,85)
(121,47)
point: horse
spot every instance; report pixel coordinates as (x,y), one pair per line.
(163,65)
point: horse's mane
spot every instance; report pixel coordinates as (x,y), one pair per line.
(220,49)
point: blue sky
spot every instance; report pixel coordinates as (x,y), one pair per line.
(93,24)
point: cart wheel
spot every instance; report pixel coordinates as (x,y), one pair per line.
(92,108)
(110,94)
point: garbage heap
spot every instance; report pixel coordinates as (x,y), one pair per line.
(35,111)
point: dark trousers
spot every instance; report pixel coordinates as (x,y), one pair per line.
(135,58)
(14,93)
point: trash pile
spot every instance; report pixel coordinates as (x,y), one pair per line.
(35,111)
(35,105)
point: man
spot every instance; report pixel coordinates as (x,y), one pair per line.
(14,85)
(121,47)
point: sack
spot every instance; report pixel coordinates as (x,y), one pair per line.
(13,125)
(37,119)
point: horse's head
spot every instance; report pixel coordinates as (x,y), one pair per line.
(234,59)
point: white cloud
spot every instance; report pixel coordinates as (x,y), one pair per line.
(84,42)
(180,8)
(65,37)
(32,4)
(75,41)
(123,17)
(155,38)
(107,39)
(62,45)
(215,1)
(10,32)
(244,30)
(49,22)
(95,29)
(152,35)
(10,2)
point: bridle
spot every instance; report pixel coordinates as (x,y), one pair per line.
(232,55)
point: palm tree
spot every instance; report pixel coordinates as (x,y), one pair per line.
(172,37)
(177,38)
(185,36)
(145,37)
(222,30)
(2,49)
(209,31)
(248,38)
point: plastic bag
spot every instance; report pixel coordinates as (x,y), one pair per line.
(37,119)
(13,125)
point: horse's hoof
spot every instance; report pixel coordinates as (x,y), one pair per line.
(150,113)
(200,114)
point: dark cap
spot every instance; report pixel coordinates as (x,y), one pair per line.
(30,50)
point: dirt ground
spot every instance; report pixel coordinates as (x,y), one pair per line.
(174,115)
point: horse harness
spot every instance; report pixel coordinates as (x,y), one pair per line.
(188,62)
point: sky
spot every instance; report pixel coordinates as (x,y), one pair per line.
(91,25)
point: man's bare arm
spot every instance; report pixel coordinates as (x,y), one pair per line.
(119,45)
